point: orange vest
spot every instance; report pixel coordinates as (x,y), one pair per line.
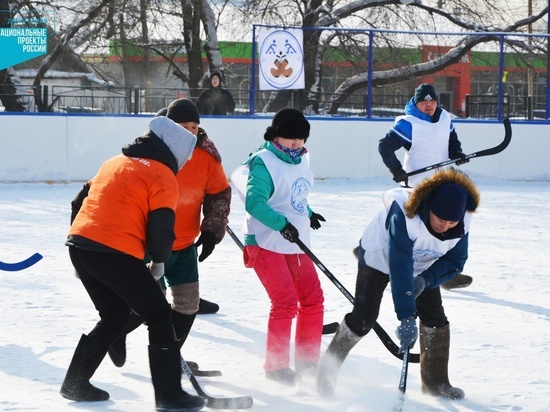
(202,175)
(121,195)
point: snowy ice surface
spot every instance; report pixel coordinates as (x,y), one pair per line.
(500,343)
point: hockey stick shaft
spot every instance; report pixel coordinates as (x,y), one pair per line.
(234,237)
(398,407)
(24,264)
(241,402)
(486,152)
(382,334)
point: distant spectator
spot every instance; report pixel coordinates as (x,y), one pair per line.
(216,100)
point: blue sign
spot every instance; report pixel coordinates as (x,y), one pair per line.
(19,44)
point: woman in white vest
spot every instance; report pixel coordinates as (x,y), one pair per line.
(416,243)
(427,135)
(278,213)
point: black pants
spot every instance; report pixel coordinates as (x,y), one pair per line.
(369,291)
(117,283)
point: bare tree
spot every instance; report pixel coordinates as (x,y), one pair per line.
(167,28)
(484,16)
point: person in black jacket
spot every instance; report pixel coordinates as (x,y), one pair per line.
(216,100)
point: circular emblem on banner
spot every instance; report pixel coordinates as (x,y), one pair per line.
(282,59)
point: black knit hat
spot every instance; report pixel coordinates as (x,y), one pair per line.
(183,111)
(216,73)
(424,92)
(448,202)
(289,123)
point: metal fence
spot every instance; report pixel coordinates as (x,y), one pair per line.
(113,100)
(492,81)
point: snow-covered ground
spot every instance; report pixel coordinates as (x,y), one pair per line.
(500,344)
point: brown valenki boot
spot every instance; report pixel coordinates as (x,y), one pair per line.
(434,360)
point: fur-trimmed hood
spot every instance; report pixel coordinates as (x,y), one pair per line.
(421,194)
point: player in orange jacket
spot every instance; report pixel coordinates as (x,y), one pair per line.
(127,210)
(204,188)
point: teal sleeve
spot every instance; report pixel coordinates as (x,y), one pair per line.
(259,189)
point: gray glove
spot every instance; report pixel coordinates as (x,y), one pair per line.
(156,269)
(419,285)
(407,333)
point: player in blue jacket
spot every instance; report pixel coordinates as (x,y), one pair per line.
(416,243)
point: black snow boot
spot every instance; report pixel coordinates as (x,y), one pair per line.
(434,360)
(182,325)
(460,281)
(87,357)
(207,308)
(164,361)
(117,350)
(344,340)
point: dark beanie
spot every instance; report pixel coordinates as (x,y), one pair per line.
(448,202)
(289,123)
(424,92)
(183,111)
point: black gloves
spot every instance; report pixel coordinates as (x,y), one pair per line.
(208,242)
(461,156)
(314,221)
(399,175)
(290,233)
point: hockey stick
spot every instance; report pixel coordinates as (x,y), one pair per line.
(487,152)
(199,372)
(24,264)
(398,407)
(328,329)
(241,402)
(382,334)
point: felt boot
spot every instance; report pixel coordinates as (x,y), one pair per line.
(460,281)
(87,357)
(207,308)
(434,360)
(164,360)
(117,350)
(344,340)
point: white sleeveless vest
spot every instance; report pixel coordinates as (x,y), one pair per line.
(292,183)
(426,249)
(429,145)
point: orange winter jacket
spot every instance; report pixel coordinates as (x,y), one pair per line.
(202,175)
(121,196)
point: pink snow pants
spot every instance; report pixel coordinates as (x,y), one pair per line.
(293,287)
